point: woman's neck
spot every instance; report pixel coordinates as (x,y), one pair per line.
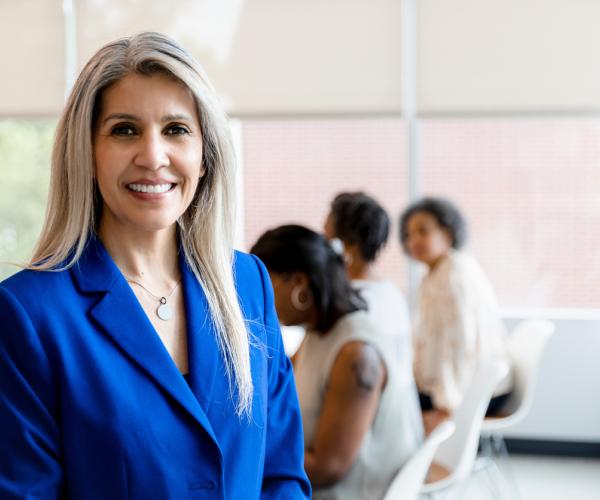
(360,270)
(435,264)
(146,256)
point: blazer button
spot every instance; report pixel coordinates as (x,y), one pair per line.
(202,485)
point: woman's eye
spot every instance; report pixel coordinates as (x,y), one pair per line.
(123,130)
(177,130)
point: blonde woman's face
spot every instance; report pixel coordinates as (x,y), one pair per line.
(147,152)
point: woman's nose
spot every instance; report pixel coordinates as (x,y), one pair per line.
(152,152)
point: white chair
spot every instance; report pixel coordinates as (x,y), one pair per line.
(458,453)
(526,346)
(410,478)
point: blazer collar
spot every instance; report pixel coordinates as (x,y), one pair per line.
(120,316)
(95,270)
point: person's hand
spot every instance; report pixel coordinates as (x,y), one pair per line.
(433,418)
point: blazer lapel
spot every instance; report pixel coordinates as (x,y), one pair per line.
(203,351)
(120,315)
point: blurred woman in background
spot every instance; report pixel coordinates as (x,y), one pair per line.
(358,410)
(362,225)
(457,321)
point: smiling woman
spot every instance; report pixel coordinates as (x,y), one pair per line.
(125,357)
(147,152)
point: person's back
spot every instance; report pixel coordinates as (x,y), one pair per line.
(386,303)
(396,431)
(353,371)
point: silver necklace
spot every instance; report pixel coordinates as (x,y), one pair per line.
(164,311)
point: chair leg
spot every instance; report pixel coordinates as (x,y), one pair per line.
(508,474)
(498,481)
(485,455)
(504,477)
(499,445)
(501,481)
(486,443)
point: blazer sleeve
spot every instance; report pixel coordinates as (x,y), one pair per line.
(30,464)
(284,476)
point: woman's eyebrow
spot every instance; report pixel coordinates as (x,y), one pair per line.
(165,118)
(175,117)
(121,116)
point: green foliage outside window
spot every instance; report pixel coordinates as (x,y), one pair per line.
(25,149)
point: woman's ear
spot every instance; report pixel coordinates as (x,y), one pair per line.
(299,278)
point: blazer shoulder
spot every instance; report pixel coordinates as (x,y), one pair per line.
(252,284)
(30,284)
(248,269)
(34,289)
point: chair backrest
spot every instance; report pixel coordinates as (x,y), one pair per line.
(526,345)
(458,453)
(410,478)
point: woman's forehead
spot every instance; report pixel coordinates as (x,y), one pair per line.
(159,92)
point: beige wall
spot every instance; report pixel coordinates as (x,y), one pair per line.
(334,56)
(508,55)
(274,56)
(32,57)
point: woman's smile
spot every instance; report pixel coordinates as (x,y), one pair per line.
(148,152)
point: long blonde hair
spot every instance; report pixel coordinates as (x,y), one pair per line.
(206,228)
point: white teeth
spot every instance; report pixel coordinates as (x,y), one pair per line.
(150,188)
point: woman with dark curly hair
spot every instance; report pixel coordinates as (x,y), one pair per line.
(456,324)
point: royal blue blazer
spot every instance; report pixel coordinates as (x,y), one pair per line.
(93,407)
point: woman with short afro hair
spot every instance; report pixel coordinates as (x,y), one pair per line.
(457,321)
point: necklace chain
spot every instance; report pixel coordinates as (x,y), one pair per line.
(164,310)
(161,298)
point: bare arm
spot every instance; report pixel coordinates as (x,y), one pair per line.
(357,379)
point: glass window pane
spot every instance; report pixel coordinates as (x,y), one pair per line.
(293,168)
(529,188)
(25,147)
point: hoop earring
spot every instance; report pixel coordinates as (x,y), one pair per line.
(302,298)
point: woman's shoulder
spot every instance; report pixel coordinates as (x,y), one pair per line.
(461,260)
(355,324)
(252,283)
(379,290)
(35,284)
(28,292)
(249,272)
(465,268)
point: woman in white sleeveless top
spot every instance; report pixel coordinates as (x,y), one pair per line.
(357,406)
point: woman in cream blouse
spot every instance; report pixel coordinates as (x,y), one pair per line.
(456,324)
